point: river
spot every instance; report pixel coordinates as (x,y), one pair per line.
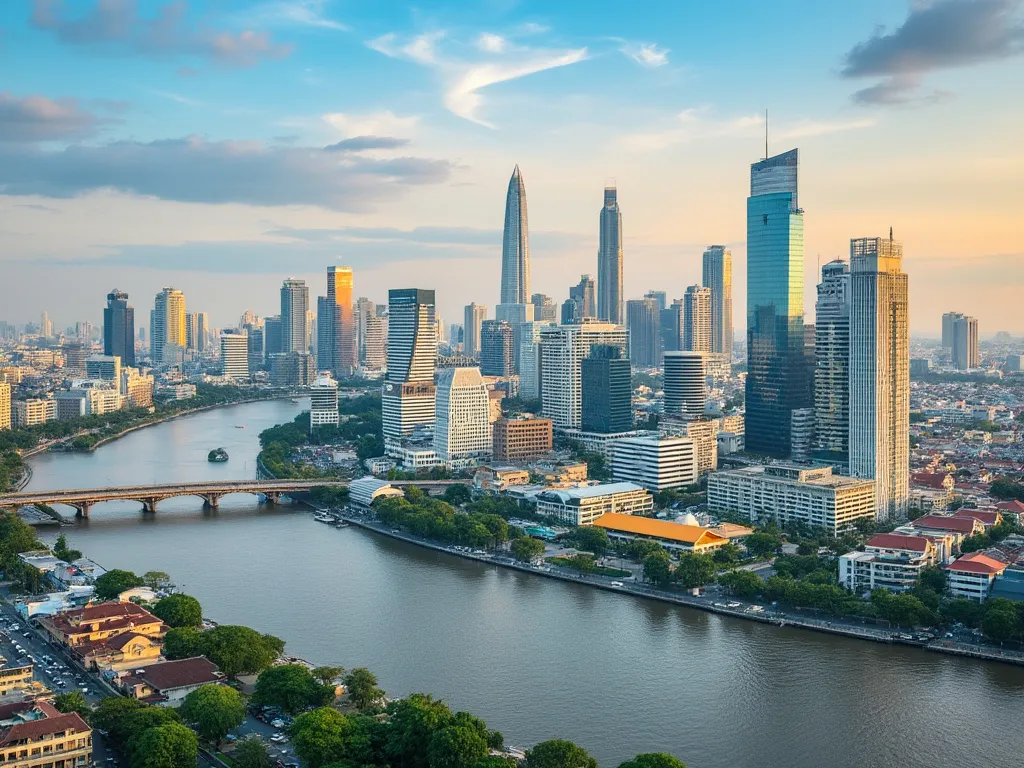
(535,658)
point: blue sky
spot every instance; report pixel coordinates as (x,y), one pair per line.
(221,146)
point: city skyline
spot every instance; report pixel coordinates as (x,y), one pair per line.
(432,174)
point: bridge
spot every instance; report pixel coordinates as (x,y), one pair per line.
(82,499)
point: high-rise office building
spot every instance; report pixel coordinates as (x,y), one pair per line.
(75,353)
(497,354)
(515,244)
(294,316)
(529,359)
(948,318)
(776,359)
(202,331)
(324,339)
(717,275)
(880,372)
(965,343)
(685,383)
(408,398)
(832,364)
(167,335)
(462,433)
(672,326)
(5,405)
(273,342)
(45,325)
(660,298)
(83,330)
(562,350)
(345,355)
(475,314)
(375,342)
(644,324)
(323,402)
(544,309)
(119,327)
(606,405)
(609,260)
(255,336)
(585,295)
(190,330)
(364,309)
(697,336)
(234,353)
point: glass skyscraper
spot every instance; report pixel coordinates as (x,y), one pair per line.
(119,328)
(609,260)
(778,378)
(515,245)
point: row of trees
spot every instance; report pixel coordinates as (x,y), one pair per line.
(691,570)
(436,519)
(235,649)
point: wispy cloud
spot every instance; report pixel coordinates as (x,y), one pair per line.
(384,123)
(943,34)
(37,118)
(464,79)
(645,54)
(300,13)
(176,97)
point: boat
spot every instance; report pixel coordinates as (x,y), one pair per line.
(217,455)
(239,426)
(322,517)
(340,524)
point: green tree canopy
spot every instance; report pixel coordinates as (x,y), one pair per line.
(319,736)
(657,567)
(1001,624)
(591,539)
(328,675)
(251,752)
(762,544)
(73,701)
(125,719)
(15,536)
(156,579)
(64,552)
(179,611)
(526,549)
(361,685)
(214,710)
(654,760)
(292,687)
(457,746)
(171,745)
(457,495)
(239,650)
(414,720)
(182,643)
(113,583)
(558,754)
(695,570)
(745,584)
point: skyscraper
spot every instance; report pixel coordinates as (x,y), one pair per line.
(344,355)
(585,295)
(375,342)
(462,434)
(776,362)
(685,383)
(324,339)
(880,372)
(474,316)
(965,343)
(515,244)
(529,359)
(832,364)
(119,328)
(606,403)
(408,398)
(190,330)
(202,331)
(948,318)
(697,335)
(294,312)
(672,327)
(660,298)
(562,350)
(609,260)
(45,325)
(717,275)
(167,336)
(497,353)
(364,310)
(273,342)
(544,309)
(5,405)
(644,324)
(234,353)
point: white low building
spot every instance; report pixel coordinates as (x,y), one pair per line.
(655,462)
(581,506)
(323,402)
(364,490)
(785,495)
(889,560)
(971,576)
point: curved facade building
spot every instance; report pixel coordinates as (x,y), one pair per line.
(515,246)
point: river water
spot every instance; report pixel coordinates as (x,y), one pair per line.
(535,658)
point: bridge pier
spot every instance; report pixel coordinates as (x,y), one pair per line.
(82,509)
(273,497)
(211,500)
(149,505)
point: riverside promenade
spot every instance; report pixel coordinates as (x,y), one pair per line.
(712,603)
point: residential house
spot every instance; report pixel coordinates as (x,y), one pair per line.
(34,734)
(971,576)
(114,636)
(168,683)
(890,560)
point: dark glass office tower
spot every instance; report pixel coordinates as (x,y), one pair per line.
(607,405)
(119,328)
(777,375)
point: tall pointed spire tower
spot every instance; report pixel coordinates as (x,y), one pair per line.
(515,247)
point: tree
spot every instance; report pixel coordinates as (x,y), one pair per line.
(251,752)
(319,736)
(414,720)
(694,570)
(61,550)
(654,760)
(762,545)
(591,539)
(16,536)
(1000,624)
(743,584)
(182,643)
(73,701)
(456,495)
(125,719)
(179,611)
(361,685)
(328,675)
(456,747)
(291,687)
(657,568)
(526,549)
(156,579)
(113,583)
(558,754)
(933,578)
(239,650)
(961,611)
(172,745)
(214,710)
(727,553)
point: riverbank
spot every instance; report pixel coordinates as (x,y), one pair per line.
(709,603)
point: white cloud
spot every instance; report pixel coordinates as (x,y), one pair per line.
(808,128)
(646,54)
(532,28)
(463,79)
(309,13)
(385,123)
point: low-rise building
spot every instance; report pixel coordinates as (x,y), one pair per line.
(787,495)
(366,489)
(656,463)
(890,560)
(971,576)
(987,517)
(522,439)
(171,392)
(16,679)
(113,636)
(686,538)
(28,413)
(498,479)
(940,525)
(167,683)
(323,402)
(581,506)
(34,734)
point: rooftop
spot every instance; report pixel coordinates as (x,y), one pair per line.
(594,491)
(821,477)
(660,529)
(899,541)
(977,562)
(940,523)
(166,675)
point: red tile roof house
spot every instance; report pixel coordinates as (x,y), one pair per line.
(169,682)
(987,517)
(36,734)
(971,576)
(959,527)
(1012,507)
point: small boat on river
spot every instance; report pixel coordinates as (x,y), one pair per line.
(323,517)
(217,455)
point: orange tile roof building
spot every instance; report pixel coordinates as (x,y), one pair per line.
(890,560)
(971,576)
(113,636)
(687,538)
(34,734)
(522,439)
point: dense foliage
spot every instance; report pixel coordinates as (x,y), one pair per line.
(213,710)
(114,582)
(236,650)
(435,519)
(179,611)
(292,687)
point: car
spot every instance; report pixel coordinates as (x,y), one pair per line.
(25,634)
(618,584)
(279,738)
(732,605)
(277,723)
